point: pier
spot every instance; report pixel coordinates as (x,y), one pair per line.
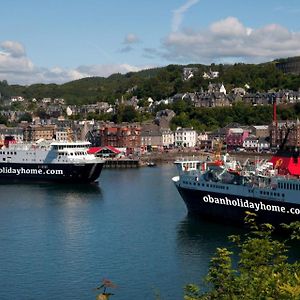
(121,163)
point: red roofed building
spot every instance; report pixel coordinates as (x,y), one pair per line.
(121,136)
(106,151)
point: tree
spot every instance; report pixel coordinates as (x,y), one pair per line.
(3,120)
(25,117)
(263,270)
(126,114)
(42,114)
(180,106)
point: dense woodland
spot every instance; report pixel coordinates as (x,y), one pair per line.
(161,83)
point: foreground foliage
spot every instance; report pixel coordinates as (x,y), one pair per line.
(263,270)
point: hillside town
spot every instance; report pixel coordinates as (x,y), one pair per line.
(63,122)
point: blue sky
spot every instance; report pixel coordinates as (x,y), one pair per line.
(62,40)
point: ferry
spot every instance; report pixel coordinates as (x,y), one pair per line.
(225,190)
(55,161)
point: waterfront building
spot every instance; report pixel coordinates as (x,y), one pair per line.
(260,131)
(256,144)
(152,137)
(285,132)
(32,133)
(185,137)
(105,152)
(235,137)
(250,143)
(64,134)
(167,137)
(15,132)
(121,136)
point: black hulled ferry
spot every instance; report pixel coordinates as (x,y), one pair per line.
(225,191)
(49,161)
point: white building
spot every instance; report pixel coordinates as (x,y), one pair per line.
(188,73)
(203,136)
(185,137)
(17,99)
(253,143)
(62,136)
(211,74)
(250,143)
(222,89)
(263,145)
(167,137)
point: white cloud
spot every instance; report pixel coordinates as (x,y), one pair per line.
(13,60)
(229,40)
(229,27)
(131,39)
(107,70)
(17,68)
(179,13)
(13,48)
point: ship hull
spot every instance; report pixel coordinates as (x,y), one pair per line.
(41,172)
(220,207)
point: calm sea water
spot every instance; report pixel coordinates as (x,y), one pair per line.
(60,241)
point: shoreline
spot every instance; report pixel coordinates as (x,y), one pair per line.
(167,157)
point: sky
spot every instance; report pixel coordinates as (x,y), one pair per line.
(57,41)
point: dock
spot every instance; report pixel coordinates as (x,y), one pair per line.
(121,163)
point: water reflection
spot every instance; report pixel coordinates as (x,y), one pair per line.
(92,188)
(50,194)
(200,237)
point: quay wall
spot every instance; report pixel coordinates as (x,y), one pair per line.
(166,157)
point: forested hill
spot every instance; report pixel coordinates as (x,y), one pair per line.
(158,83)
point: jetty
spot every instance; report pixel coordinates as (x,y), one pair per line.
(121,163)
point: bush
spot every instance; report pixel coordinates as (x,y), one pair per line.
(263,270)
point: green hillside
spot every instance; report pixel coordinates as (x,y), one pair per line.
(158,83)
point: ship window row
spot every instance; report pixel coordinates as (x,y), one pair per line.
(216,186)
(71,153)
(289,186)
(208,185)
(271,194)
(61,147)
(8,152)
(33,159)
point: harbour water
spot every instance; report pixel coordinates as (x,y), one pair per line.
(60,241)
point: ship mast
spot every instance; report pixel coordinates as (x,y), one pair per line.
(275,113)
(275,121)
